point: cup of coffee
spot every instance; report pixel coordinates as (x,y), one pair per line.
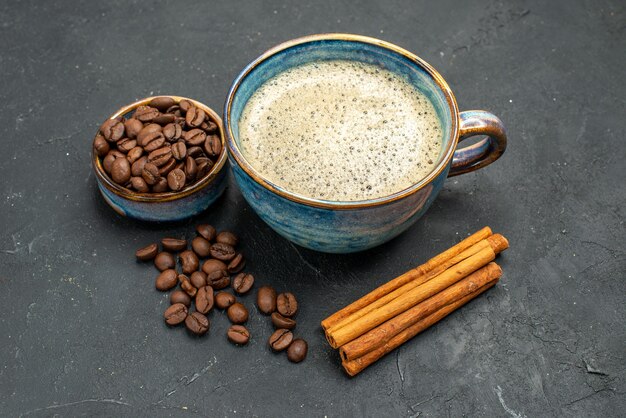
(341,142)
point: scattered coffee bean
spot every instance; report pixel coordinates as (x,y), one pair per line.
(164,261)
(237,313)
(266,300)
(224,299)
(197,323)
(175,314)
(223,252)
(297,350)
(198,279)
(201,246)
(188,261)
(226,237)
(204,299)
(280,321)
(147,253)
(236,264)
(287,304)
(280,339)
(218,279)
(166,280)
(212,265)
(242,283)
(206,231)
(173,244)
(238,334)
(186,285)
(178,296)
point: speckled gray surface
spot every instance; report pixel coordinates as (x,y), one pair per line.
(81,330)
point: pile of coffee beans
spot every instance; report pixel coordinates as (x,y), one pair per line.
(199,282)
(161,147)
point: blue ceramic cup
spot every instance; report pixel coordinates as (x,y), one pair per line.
(344,227)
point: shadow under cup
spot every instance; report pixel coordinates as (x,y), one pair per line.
(332,226)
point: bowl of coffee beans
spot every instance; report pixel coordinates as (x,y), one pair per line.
(161,158)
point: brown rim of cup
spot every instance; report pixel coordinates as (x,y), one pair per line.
(166,196)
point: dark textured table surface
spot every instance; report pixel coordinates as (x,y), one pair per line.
(81,329)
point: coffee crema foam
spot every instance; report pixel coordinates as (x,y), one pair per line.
(340,130)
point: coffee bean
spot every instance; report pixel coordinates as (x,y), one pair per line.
(160,186)
(201,246)
(164,261)
(204,168)
(266,300)
(186,285)
(213,146)
(134,154)
(126,144)
(212,265)
(209,126)
(218,279)
(198,279)
(101,146)
(197,323)
(194,137)
(287,304)
(280,339)
(172,132)
(227,237)
(139,184)
(138,165)
(178,296)
(176,179)
(175,314)
(146,113)
(133,127)
(188,261)
(166,168)
(236,264)
(162,103)
(297,350)
(280,321)
(152,141)
(185,105)
(150,173)
(107,162)
(204,299)
(173,244)
(179,151)
(224,299)
(148,131)
(206,231)
(112,130)
(160,156)
(147,253)
(164,119)
(195,152)
(242,283)
(237,313)
(191,169)
(120,171)
(194,116)
(223,252)
(238,334)
(166,280)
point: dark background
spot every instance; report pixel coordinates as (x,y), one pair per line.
(81,328)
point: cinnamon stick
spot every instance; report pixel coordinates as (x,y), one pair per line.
(400,304)
(382,334)
(497,242)
(405,278)
(355,366)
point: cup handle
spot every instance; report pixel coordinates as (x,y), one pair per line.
(485,151)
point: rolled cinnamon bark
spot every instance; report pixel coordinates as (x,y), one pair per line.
(357,365)
(409,299)
(405,278)
(382,334)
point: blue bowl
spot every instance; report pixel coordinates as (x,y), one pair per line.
(169,206)
(349,226)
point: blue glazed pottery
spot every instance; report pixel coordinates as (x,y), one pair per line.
(344,227)
(169,206)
